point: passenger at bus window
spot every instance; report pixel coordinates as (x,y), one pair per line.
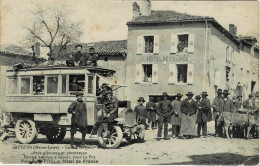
(38,85)
(92,58)
(75,85)
(52,85)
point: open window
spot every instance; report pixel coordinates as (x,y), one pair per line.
(38,85)
(25,85)
(12,85)
(52,85)
(147,72)
(182,73)
(182,42)
(149,44)
(76,83)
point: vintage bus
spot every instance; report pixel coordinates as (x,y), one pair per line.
(38,98)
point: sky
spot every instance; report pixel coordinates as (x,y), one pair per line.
(105,20)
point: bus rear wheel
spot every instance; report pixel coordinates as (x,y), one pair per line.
(56,134)
(26,131)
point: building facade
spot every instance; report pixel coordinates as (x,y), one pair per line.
(177,53)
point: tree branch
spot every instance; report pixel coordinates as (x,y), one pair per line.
(33,33)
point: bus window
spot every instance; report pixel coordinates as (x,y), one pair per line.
(64,82)
(52,85)
(76,83)
(90,84)
(25,85)
(12,86)
(38,85)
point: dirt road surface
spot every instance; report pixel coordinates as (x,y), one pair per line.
(210,150)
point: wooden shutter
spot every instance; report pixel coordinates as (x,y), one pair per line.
(217,78)
(190,73)
(172,74)
(155,74)
(138,75)
(140,45)
(191,43)
(174,42)
(156,44)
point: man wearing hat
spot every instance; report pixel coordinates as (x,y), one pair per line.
(228,103)
(165,110)
(188,121)
(102,92)
(91,58)
(151,110)
(141,112)
(78,118)
(218,106)
(109,113)
(176,118)
(249,103)
(204,114)
(78,58)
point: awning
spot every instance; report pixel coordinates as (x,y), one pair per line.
(112,81)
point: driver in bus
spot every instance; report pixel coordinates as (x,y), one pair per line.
(109,113)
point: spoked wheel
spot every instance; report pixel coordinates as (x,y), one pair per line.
(25,131)
(113,140)
(141,134)
(56,134)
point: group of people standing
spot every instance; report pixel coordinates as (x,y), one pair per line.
(183,115)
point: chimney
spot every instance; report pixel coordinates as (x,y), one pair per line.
(136,10)
(233,29)
(37,49)
(146,8)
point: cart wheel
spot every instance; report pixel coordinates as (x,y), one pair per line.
(141,134)
(26,131)
(56,134)
(113,140)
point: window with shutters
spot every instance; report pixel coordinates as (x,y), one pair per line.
(149,44)
(182,71)
(147,72)
(183,43)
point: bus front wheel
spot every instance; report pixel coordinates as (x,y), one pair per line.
(26,131)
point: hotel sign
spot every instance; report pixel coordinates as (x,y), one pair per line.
(171,58)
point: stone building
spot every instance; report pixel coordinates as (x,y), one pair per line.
(176,52)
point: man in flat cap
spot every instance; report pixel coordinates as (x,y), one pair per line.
(91,58)
(204,114)
(151,110)
(78,118)
(165,110)
(188,121)
(176,118)
(218,107)
(249,103)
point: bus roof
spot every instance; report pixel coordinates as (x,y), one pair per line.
(98,70)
